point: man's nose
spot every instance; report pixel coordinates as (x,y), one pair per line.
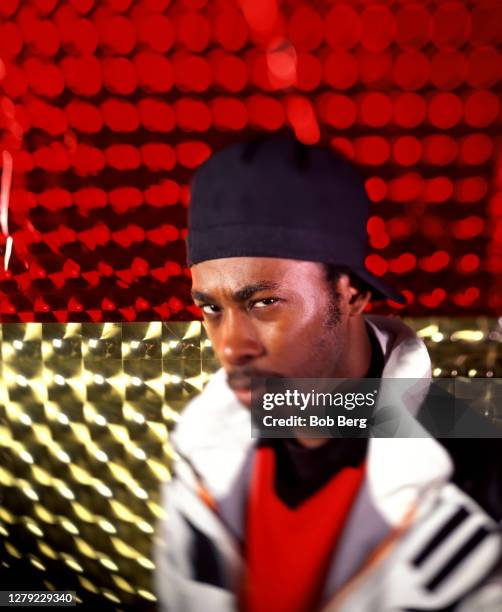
(239,340)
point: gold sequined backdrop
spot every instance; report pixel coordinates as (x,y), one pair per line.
(85,416)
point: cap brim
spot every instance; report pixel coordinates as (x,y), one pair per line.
(381,289)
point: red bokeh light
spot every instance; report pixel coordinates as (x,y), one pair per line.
(435,262)
(305,29)
(8,7)
(481,109)
(400,227)
(378,237)
(484,67)
(158,156)
(485,24)
(192,115)
(469,263)
(155,31)
(438,190)
(445,110)
(192,153)
(87,160)
(468,228)
(165,193)
(432,299)
(156,116)
(44,79)
(191,72)
(375,109)
(413,26)
(193,31)
(229,113)
(11,40)
(123,199)
(406,188)
(117,34)
(342,27)
(229,72)
(15,83)
(409,110)
(119,75)
(337,110)
(340,69)
(90,198)
(308,72)
(376,189)
(439,149)
(120,116)
(378,27)
(82,74)
(448,69)
(407,150)
(403,264)
(230,29)
(265,112)
(476,149)
(46,117)
(375,69)
(78,36)
(411,70)
(451,24)
(123,157)
(376,264)
(155,72)
(40,35)
(471,189)
(55,199)
(372,150)
(258,70)
(53,158)
(467,297)
(84,117)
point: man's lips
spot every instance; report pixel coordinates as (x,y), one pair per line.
(239,384)
(242,383)
(238,381)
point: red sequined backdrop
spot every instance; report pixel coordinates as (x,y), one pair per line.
(107,107)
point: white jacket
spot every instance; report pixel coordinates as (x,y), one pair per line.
(413,540)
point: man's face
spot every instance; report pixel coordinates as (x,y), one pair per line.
(270,317)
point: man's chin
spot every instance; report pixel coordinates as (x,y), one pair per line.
(244,396)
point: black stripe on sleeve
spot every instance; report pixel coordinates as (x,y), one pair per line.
(478,536)
(452,523)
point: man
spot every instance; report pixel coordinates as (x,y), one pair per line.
(276,246)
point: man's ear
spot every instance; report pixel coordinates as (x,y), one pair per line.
(353,296)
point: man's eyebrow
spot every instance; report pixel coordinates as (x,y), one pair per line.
(249,290)
(241,295)
(200,296)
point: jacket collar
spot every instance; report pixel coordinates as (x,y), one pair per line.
(403,470)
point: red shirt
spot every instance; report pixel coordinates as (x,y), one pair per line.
(288,550)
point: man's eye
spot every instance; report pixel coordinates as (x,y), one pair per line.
(209,309)
(265,302)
